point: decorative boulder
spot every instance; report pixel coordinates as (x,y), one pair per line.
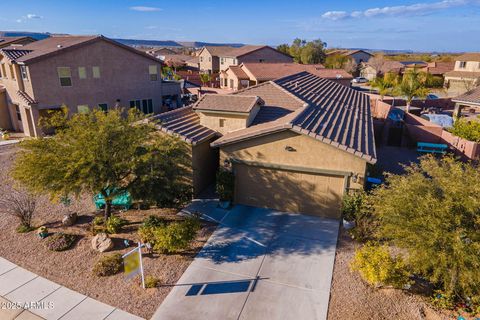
(69,219)
(101,242)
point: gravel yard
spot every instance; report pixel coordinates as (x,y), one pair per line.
(351,298)
(73,268)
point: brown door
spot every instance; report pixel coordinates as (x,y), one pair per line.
(309,193)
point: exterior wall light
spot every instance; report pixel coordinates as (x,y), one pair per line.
(355,178)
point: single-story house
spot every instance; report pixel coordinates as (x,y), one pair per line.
(294,144)
(250,74)
(468,102)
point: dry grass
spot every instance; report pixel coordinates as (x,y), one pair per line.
(73,268)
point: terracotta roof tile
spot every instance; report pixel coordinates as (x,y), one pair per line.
(463,74)
(239,73)
(271,71)
(25,97)
(14,53)
(333,113)
(230,103)
(184,123)
(473,56)
(218,50)
(472,96)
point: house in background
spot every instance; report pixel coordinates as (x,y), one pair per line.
(436,69)
(466,74)
(209,58)
(252,54)
(11,41)
(281,142)
(358,56)
(249,74)
(468,104)
(81,72)
(370,72)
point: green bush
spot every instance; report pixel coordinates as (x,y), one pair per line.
(355,207)
(114,224)
(468,130)
(60,241)
(176,236)
(443,300)
(377,267)
(153,221)
(225,185)
(98,221)
(352,204)
(108,265)
(151,282)
(146,234)
(24,229)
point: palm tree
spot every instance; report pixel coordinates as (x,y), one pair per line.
(384,85)
(412,86)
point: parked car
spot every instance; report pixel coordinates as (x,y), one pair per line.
(432,96)
(359,80)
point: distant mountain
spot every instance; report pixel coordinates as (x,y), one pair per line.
(34,35)
(199,44)
(150,43)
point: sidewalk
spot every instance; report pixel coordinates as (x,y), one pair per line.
(27,296)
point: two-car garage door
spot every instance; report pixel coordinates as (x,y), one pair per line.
(289,190)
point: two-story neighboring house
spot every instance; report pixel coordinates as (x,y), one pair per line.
(9,41)
(252,54)
(466,74)
(80,72)
(358,56)
(209,58)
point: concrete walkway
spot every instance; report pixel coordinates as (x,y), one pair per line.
(258,264)
(25,295)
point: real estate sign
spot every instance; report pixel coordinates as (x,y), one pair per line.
(132,263)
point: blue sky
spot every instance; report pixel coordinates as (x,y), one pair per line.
(441,25)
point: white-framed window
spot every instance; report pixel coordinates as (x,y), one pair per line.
(83,108)
(23,71)
(82,72)
(96,72)
(65,76)
(463,64)
(144,105)
(153,72)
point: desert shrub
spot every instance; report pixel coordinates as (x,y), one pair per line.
(108,265)
(151,282)
(377,266)
(98,221)
(20,204)
(24,229)
(176,236)
(153,221)
(469,130)
(355,207)
(146,234)
(225,185)
(443,300)
(114,224)
(60,241)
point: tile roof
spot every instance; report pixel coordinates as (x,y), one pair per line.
(184,123)
(440,68)
(217,50)
(271,71)
(52,45)
(229,103)
(239,73)
(14,53)
(333,114)
(463,74)
(346,52)
(6,41)
(388,66)
(472,96)
(473,56)
(238,52)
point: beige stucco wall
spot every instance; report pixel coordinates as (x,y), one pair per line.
(5,122)
(310,153)
(207,62)
(231,122)
(473,66)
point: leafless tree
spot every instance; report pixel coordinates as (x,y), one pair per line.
(377,63)
(20,204)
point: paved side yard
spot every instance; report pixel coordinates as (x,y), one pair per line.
(45,299)
(258,264)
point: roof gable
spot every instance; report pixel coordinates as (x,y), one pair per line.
(227,103)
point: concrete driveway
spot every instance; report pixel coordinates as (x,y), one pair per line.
(258,264)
